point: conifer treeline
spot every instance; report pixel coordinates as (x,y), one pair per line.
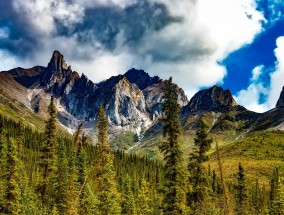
(206,193)
(44,173)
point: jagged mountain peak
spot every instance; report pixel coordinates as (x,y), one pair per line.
(141,78)
(280,102)
(57,62)
(57,69)
(213,98)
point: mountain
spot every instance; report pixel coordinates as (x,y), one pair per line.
(141,78)
(129,100)
(215,98)
(280,102)
(133,103)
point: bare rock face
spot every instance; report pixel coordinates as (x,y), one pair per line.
(280,102)
(56,73)
(127,104)
(215,98)
(131,101)
(154,98)
(141,78)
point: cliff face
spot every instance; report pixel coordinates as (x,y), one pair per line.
(280,102)
(131,101)
(154,98)
(214,98)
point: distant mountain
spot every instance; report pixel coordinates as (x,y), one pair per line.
(129,100)
(215,98)
(141,78)
(133,102)
(280,102)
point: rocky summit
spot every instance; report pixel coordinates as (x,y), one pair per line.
(132,101)
(280,102)
(215,98)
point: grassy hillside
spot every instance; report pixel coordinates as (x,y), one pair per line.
(18,112)
(260,153)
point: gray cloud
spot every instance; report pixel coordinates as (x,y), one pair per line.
(185,39)
(21,38)
(99,26)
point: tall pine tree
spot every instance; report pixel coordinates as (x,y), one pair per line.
(198,176)
(86,199)
(13,192)
(108,195)
(175,174)
(48,156)
(241,197)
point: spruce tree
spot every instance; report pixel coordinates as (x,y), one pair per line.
(175,174)
(144,198)
(128,202)
(109,197)
(3,152)
(198,176)
(241,197)
(13,192)
(61,186)
(48,156)
(86,199)
(276,195)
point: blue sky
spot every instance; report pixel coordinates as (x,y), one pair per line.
(236,44)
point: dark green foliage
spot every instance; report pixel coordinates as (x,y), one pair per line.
(128,201)
(276,195)
(48,155)
(175,174)
(241,196)
(86,199)
(12,199)
(61,184)
(79,170)
(205,191)
(105,183)
(198,177)
(85,190)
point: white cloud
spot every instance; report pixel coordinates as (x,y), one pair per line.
(117,3)
(189,50)
(209,32)
(9,61)
(256,72)
(250,97)
(277,76)
(42,14)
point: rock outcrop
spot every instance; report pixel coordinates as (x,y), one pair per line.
(215,98)
(141,78)
(280,102)
(154,98)
(131,101)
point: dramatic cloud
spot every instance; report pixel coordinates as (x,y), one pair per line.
(186,39)
(276,82)
(251,97)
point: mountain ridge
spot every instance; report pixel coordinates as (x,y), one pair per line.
(133,101)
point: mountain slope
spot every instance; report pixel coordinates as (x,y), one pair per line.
(77,98)
(133,104)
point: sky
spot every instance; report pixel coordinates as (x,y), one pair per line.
(236,44)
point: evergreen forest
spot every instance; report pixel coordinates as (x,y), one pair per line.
(51,173)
